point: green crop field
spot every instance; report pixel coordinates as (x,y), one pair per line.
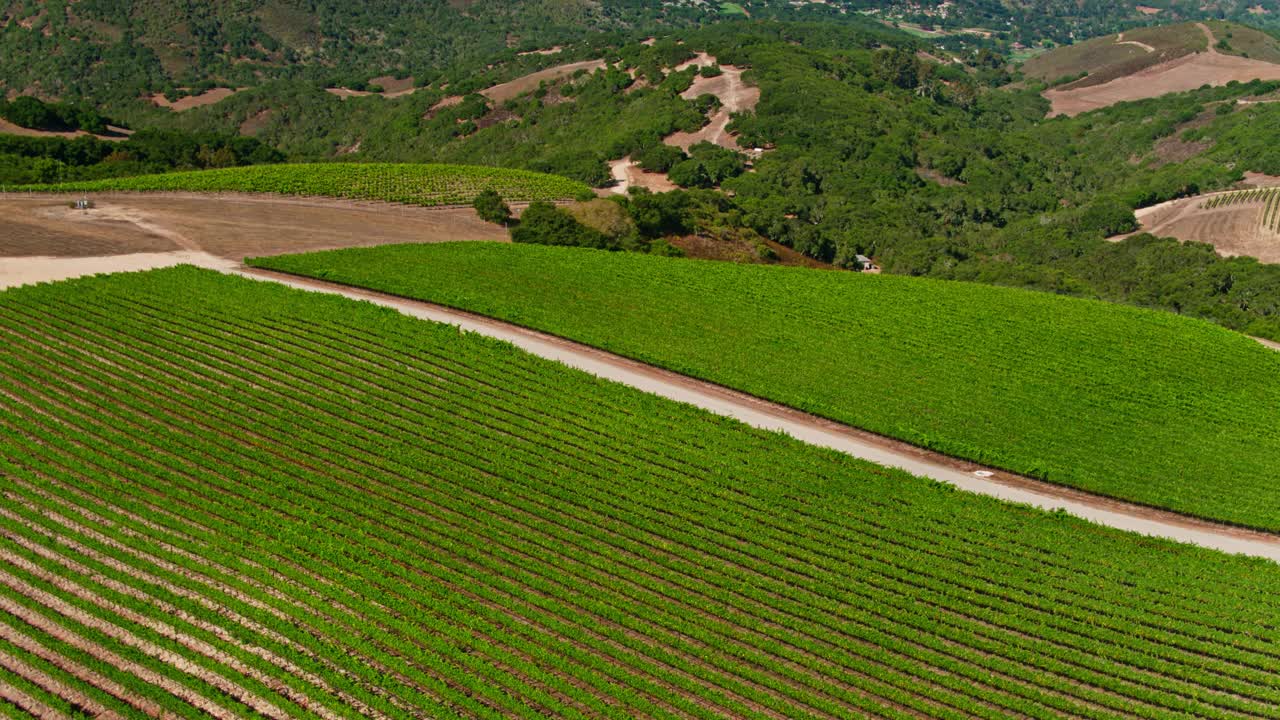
(1136,404)
(226,498)
(412,184)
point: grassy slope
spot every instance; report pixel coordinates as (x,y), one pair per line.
(1106,60)
(1140,405)
(399,494)
(408,183)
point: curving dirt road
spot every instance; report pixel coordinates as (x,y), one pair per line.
(818,431)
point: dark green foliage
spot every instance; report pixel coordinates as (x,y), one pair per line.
(659,157)
(710,71)
(490,206)
(31,160)
(708,165)
(545,224)
(31,112)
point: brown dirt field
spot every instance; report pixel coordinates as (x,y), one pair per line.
(508,90)
(230,226)
(735,96)
(627,176)
(193,101)
(1232,230)
(1179,75)
(45,239)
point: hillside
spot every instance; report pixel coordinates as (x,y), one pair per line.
(403,183)
(295,540)
(1143,406)
(1149,62)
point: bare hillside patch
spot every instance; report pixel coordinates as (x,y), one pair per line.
(190,102)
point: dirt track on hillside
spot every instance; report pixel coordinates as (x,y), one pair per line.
(1179,75)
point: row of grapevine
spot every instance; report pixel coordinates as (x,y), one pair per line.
(412,184)
(325,509)
(971,371)
(1239,197)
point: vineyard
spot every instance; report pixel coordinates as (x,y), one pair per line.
(225,498)
(1135,404)
(1267,200)
(411,184)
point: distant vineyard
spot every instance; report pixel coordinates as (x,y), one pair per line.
(1136,404)
(403,183)
(1267,198)
(228,499)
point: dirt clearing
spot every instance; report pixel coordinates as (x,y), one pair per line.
(1232,229)
(508,90)
(45,239)
(735,96)
(1179,75)
(209,97)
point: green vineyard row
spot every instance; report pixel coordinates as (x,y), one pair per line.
(412,184)
(226,498)
(1269,218)
(1135,404)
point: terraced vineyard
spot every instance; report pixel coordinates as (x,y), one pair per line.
(1141,405)
(224,498)
(1267,200)
(412,184)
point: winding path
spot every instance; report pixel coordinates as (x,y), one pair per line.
(818,431)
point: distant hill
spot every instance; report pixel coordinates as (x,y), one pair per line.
(1112,56)
(1148,62)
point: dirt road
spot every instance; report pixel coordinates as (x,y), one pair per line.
(817,431)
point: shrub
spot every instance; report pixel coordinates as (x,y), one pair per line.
(546,224)
(490,206)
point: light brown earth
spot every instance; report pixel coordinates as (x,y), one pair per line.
(627,175)
(1233,230)
(735,96)
(508,90)
(190,102)
(45,239)
(1179,75)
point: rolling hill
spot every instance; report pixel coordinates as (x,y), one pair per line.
(220,502)
(1139,405)
(412,184)
(1149,62)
